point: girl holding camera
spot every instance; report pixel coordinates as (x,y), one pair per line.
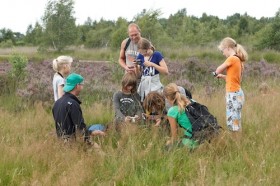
(233,66)
(152,64)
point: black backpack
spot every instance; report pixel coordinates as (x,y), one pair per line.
(204,124)
(188,93)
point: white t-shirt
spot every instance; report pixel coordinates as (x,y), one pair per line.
(58,80)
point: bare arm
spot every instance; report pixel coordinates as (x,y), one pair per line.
(220,70)
(173,129)
(60,91)
(122,57)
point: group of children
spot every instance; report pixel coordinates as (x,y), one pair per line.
(143,98)
(127,102)
(130,109)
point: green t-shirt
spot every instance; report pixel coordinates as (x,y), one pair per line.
(181,119)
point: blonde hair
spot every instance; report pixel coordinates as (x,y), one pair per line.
(129,79)
(60,61)
(145,44)
(171,92)
(239,50)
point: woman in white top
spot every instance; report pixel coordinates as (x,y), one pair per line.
(62,67)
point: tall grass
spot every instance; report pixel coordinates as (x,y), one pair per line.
(32,155)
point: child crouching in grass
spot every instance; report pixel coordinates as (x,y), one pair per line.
(177,117)
(154,106)
(127,105)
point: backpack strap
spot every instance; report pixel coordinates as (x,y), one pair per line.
(190,132)
(127,43)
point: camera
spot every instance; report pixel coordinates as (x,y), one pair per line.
(214,74)
(138,61)
(132,119)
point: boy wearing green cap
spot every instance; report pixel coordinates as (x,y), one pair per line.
(67,111)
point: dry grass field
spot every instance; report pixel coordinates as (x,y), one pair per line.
(32,155)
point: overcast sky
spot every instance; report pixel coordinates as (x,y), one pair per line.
(18,14)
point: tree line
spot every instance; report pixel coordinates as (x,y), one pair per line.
(58,30)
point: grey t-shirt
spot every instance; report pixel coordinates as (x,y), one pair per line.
(131,53)
(126,105)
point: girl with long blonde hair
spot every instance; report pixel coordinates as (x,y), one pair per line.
(233,66)
(177,116)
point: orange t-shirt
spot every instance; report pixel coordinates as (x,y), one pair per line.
(233,78)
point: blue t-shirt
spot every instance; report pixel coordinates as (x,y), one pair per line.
(155,58)
(181,119)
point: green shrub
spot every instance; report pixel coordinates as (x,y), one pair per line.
(18,63)
(6,44)
(17,73)
(272,57)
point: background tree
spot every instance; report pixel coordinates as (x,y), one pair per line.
(58,30)
(271,35)
(100,35)
(150,26)
(34,34)
(83,30)
(59,24)
(176,24)
(7,35)
(119,34)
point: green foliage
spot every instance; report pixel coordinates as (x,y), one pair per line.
(179,30)
(59,24)
(176,24)
(83,30)
(272,57)
(18,63)
(17,73)
(270,37)
(100,35)
(150,27)
(34,35)
(6,34)
(98,38)
(7,44)
(119,34)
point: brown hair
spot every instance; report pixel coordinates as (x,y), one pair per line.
(129,79)
(145,44)
(154,101)
(172,92)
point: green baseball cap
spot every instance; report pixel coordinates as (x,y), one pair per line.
(71,81)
